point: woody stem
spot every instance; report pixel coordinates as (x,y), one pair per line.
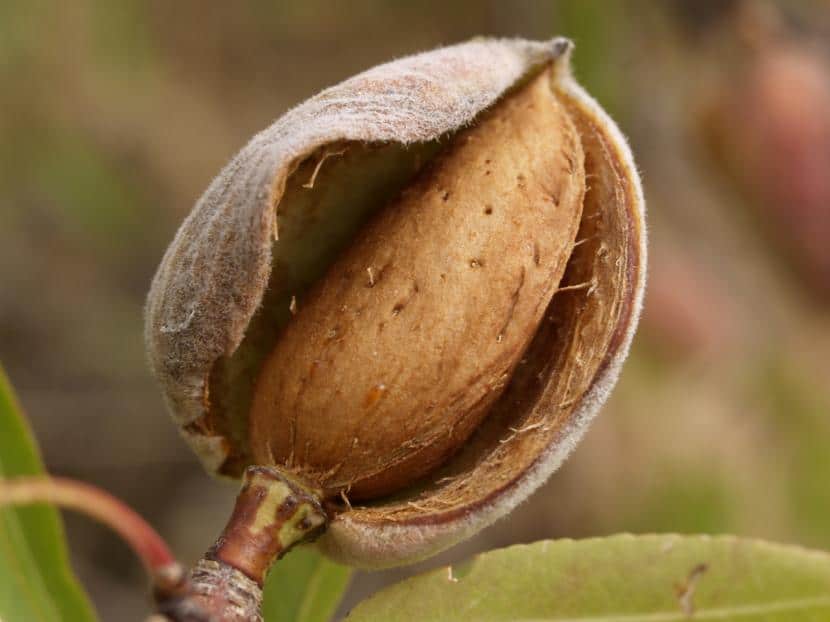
(273,512)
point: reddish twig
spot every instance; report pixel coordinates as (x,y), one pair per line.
(166,574)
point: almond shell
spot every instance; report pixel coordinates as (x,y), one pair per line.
(235,258)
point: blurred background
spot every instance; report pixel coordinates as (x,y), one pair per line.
(115,115)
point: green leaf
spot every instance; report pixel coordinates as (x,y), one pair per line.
(303,587)
(618,579)
(36,582)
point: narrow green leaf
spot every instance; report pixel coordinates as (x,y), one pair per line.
(625,578)
(36,582)
(304,587)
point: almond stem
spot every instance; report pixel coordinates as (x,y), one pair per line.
(273,512)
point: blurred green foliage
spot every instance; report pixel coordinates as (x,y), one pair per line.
(304,587)
(36,582)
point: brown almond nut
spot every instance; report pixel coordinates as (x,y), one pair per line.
(399,351)
(414,289)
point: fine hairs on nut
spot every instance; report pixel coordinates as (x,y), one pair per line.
(411,293)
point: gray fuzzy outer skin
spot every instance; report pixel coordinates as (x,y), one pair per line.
(212,277)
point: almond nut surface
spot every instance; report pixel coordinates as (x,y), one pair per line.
(397,354)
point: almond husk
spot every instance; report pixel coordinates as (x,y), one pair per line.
(255,241)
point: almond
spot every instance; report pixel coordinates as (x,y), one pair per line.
(409,296)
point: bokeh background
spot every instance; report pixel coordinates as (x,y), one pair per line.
(115,115)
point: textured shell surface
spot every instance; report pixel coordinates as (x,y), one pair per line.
(213,276)
(238,245)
